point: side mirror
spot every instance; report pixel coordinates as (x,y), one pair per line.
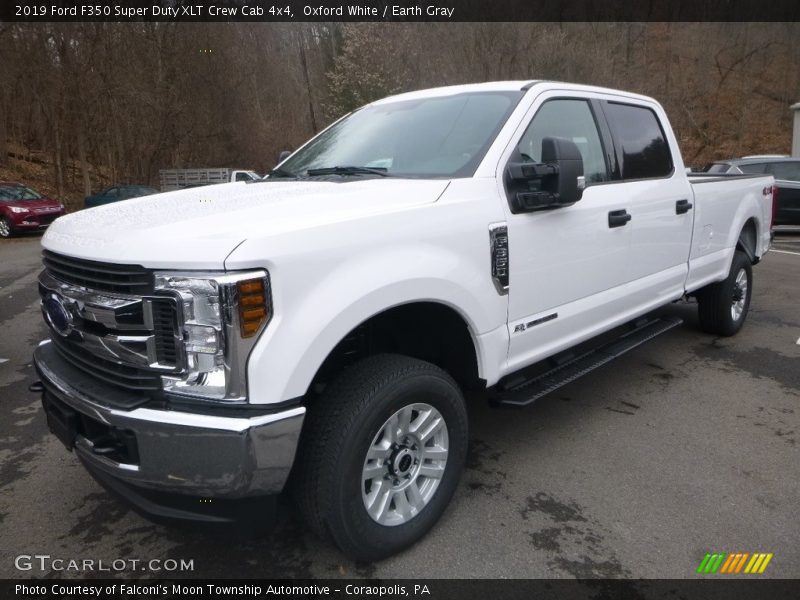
(283,155)
(559,177)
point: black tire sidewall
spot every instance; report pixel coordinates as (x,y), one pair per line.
(349,521)
(731,326)
(10,228)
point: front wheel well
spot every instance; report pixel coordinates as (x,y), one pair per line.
(429,331)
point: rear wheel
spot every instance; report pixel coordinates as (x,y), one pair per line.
(723,306)
(5,228)
(381,455)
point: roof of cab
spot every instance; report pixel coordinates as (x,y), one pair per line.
(450,90)
(757,159)
(506,86)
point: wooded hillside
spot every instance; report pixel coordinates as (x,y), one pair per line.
(117,102)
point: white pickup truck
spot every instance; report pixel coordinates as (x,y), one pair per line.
(316,330)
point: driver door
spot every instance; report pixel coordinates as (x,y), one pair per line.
(568,264)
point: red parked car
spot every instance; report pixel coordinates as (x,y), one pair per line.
(23,209)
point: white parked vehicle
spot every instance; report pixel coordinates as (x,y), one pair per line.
(178,179)
(317,329)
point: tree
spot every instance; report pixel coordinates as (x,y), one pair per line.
(370,66)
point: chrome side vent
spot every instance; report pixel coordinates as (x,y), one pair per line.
(498,246)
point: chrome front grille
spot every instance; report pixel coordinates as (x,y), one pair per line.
(125,339)
(46,219)
(103,277)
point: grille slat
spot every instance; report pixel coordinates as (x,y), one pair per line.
(46,219)
(107,277)
(110,372)
(165,324)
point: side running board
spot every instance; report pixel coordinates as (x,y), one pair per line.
(523,393)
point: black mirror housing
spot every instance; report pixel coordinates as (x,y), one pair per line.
(283,155)
(560,174)
(567,156)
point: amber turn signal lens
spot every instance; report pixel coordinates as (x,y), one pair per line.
(254,300)
(253,309)
(250,328)
(252,286)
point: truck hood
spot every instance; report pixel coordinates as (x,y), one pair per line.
(197,228)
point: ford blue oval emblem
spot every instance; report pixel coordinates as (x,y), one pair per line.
(58,316)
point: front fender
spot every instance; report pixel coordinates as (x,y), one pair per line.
(318,312)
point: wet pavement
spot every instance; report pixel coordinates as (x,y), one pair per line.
(686,445)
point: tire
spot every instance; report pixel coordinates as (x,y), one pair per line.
(6,230)
(334,480)
(723,306)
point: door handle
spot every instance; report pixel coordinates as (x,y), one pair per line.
(682,207)
(618,218)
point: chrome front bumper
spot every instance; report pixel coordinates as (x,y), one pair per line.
(203,455)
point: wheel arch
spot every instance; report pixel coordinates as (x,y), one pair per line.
(429,330)
(747,241)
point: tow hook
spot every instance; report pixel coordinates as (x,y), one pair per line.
(36,387)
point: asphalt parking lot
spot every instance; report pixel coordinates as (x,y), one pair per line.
(684,446)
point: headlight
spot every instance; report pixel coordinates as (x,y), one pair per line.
(18,209)
(222,315)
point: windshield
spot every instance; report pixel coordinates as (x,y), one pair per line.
(432,137)
(17,193)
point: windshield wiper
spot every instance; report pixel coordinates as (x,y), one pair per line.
(382,171)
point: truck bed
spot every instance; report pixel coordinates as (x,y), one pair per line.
(714,235)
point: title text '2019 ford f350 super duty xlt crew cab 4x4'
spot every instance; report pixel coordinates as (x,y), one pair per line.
(316,330)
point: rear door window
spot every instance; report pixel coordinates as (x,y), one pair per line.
(640,140)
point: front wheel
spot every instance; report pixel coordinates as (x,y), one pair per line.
(5,228)
(381,455)
(723,306)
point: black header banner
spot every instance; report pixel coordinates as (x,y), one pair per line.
(122,11)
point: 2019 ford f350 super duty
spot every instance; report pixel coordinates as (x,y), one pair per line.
(316,330)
